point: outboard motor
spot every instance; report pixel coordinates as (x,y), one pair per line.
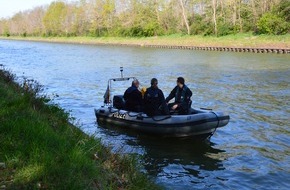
(119,102)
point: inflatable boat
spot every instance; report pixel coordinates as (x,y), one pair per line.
(198,122)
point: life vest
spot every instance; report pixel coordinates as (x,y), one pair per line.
(183,94)
(143,91)
(152,93)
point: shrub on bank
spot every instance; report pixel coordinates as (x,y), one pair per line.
(272,24)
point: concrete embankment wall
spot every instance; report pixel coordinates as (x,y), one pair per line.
(228,49)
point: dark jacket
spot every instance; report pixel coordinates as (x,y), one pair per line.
(153,101)
(133,99)
(182,96)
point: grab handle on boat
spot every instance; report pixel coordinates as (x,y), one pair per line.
(206,109)
(166,117)
(139,117)
(218,123)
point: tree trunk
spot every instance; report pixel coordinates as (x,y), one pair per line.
(157,10)
(254,11)
(214,16)
(240,19)
(235,12)
(184,17)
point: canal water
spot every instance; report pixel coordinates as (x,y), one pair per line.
(251,152)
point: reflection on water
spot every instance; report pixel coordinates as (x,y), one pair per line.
(195,155)
(251,152)
(176,163)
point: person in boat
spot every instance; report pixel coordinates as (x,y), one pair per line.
(133,97)
(154,101)
(182,95)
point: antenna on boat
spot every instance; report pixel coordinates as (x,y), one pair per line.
(121,69)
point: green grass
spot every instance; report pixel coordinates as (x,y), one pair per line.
(39,148)
(238,40)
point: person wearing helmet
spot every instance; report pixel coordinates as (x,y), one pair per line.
(182,95)
(154,101)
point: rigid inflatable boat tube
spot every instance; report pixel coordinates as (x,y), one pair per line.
(113,111)
(162,119)
(140,114)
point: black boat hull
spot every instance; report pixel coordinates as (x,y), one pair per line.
(199,123)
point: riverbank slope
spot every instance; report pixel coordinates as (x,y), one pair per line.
(233,41)
(40,149)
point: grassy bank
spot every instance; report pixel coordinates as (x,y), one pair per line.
(39,148)
(239,40)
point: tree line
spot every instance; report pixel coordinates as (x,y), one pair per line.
(143,18)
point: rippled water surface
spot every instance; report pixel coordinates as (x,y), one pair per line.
(251,152)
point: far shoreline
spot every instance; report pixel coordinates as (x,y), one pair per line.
(232,43)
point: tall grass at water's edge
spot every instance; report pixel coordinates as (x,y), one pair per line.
(39,148)
(244,40)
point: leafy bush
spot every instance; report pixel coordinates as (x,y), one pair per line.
(135,31)
(201,26)
(225,29)
(7,34)
(283,9)
(150,29)
(198,26)
(24,34)
(270,23)
(209,30)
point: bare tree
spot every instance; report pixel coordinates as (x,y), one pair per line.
(254,10)
(184,16)
(214,4)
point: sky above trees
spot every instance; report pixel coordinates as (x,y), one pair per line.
(10,7)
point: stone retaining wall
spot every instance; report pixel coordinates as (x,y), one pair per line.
(231,49)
